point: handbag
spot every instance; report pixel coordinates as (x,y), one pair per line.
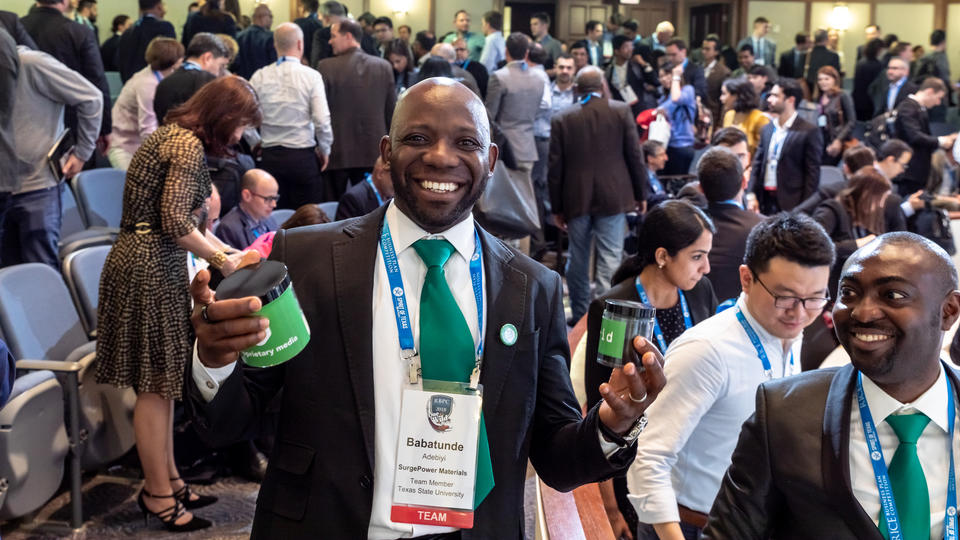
(659,130)
(934,224)
(508,205)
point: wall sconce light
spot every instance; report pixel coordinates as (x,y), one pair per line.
(840,17)
(400,7)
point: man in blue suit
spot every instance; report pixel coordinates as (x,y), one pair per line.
(132,49)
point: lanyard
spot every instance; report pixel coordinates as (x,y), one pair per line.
(369,180)
(761,352)
(586,100)
(883,479)
(283,59)
(190,66)
(157,75)
(734,202)
(687,322)
(466,63)
(404,328)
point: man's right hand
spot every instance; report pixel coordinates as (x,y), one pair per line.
(229,328)
(560,222)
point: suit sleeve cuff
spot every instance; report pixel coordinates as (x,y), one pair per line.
(208,380)
(609,448)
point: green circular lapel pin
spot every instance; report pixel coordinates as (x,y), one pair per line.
(508,334)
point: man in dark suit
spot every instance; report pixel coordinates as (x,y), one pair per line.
(588,202)
(363,85)
(334,12)
(346,386)
(10,181)
(255,44)
(820,56)
(76,47)
(132,48)
(889,92)
(676,51)
(786,166)
(715,71)
(633,90)
(15,28)
(912,126)
(722,181)
(310,24)
(365,197)
(805,467)
(206,58)
(870,32)
(792,61)
(764,49)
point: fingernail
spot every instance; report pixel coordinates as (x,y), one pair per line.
(261,336)
(255,304)
(264,323)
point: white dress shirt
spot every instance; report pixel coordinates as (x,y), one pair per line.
(777,140)
(133,116)
(494,51)
(713,373)
(294,102)
(931,447)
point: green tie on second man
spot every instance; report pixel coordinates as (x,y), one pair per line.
(907,480)
(446,344)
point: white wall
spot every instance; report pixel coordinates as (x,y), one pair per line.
(910,22)
(820,17)
(786,19)
(953,38)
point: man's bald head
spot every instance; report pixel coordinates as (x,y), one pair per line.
(286,38)
(934,259)
(589,79)
(440,89)
(445,51)
(252,178)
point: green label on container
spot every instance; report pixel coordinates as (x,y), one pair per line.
(287,334)
(611,338)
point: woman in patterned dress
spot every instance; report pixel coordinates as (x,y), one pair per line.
(144,332)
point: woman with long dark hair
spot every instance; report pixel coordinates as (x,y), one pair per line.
(144,334)
(836,114)
(740,101)
(667,273)
(404,70)
(213,18)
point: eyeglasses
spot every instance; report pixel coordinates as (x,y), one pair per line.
(461,49)
(267,198)
(790,302)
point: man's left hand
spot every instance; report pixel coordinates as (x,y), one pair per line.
(630,391)
(322,159)
(72,167)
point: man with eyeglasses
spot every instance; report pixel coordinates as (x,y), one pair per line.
(714,370)
(252,215)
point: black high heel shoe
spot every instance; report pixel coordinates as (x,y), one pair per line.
(183,495)
(169,516)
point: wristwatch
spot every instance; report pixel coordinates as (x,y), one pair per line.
(627,438)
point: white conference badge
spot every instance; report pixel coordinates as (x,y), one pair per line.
(437,455)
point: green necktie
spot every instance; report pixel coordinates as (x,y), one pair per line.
(907,480)
(446,344)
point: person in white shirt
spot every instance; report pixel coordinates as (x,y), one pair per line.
(296,131)
(842,452)
(714,369)
(494,46)
(133,116)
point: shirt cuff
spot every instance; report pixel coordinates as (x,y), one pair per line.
(655,507)
(608,448)
(208,380)
(907,209)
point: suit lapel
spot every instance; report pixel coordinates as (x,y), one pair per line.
(506,303)
(354,300)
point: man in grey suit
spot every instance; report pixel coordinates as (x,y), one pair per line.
(363,85)
(590,202)
(764,49)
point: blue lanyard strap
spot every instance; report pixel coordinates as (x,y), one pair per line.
(761,352)
(400,309)
(190,66)
(658,334)
(588,97)
(157,75)
(884,489)
(369,180)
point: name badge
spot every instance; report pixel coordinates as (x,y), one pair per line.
(770,179)
(822,120)
(437,455)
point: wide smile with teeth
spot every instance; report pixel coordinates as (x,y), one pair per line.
(872,337)
(439,187)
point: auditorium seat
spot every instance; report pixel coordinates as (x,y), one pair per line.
(33,444)
(99,195)
(115,84)
(330,209)
(81,270)
(40,322)
(282,214)
(830,175)
(74,233)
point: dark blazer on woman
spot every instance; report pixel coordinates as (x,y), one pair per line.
(215,22)
(841,117)
(700,299)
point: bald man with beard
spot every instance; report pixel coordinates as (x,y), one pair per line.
(332,472)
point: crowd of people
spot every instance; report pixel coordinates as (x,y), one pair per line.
(762,209)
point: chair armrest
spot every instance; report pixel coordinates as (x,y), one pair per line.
(52,365)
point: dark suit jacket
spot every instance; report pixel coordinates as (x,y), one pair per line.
(787,68)
(15,28)
(866,72)
(821,56)
(729,245)
(913,127)
(177,88)
(255,50)
(215,22)
(309,25)
(319,482)
(76,47)
(693,74)
(581,136)
(790,474)
(363,85)
(480,75)
(798,172)
(358,200)
(133,44)
(700,299)
(637,78)
(879,92)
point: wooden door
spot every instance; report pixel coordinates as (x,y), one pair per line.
(709,19)
(649,13)
(572,17)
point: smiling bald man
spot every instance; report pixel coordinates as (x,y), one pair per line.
(332,473)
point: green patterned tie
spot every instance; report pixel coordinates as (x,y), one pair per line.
(446,344)
(907,479)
